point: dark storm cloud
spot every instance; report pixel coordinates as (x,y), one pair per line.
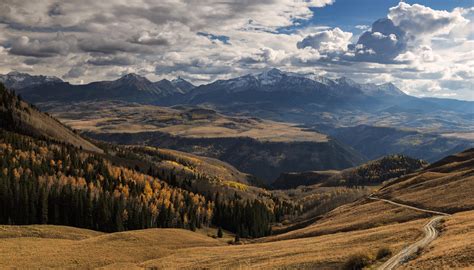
(60,45)
(122,60)
(107,45)
(382,44)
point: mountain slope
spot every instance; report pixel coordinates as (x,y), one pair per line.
(374,142)
(445,186)
(19,116)
(283,89)
(259,147)
(371,173)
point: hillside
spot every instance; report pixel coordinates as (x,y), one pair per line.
(180,249)
(370,173)
(265,160)
(376,141)
(445,186)
(256,146)
(361,227)
(19,116)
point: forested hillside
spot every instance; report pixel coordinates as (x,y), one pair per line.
(371,173)
(56,184)
(49,179)
(19,116)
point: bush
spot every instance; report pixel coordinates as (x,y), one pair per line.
(383,252)
(357,262)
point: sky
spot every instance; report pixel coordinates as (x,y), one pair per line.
(425,47)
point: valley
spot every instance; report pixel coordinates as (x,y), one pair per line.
(165,182)
(240,135)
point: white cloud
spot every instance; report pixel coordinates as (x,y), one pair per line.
(330,40)
(362,27)
(418,20)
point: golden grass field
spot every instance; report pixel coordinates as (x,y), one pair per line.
(62,247)
(454,249)
(445,186)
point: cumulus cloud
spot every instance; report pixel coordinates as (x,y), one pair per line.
(330,40)
(418,20)
(382,43)
(148,38)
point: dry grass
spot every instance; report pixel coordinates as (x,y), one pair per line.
(445,186)
(125,249)
(180,249)
(454,249)
(360,215)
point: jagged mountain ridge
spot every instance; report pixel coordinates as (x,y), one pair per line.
(291,89)
(139,88)
(275,95)
(130,87)
(17,80)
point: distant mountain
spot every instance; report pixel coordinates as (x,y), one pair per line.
(290,89)
(130,87)
(17,80)
(269,93)
(273,94)
(18,116)
(183,85)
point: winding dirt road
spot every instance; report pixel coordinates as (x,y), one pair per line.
(430,234)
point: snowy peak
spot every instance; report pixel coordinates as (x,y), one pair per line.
(183,85)
(18,80)
(346,81)
(271,76)
(390,88)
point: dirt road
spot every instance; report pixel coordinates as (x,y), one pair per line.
(430,234)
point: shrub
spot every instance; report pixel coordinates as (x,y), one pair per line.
(357,262)
(383,252)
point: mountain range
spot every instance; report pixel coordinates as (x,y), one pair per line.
(272,94)
(130,87)
(373,119)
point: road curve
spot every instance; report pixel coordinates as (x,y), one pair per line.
(409,206)
(430,234)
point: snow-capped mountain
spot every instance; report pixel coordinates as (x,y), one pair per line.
(183,85)
(130,87)
(17,80)
(281,87)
